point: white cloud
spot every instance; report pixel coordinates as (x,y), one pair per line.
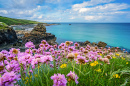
(72,18)
(92,17)
(3,11)
(94,11)
(105,8)
(89,3)
(40,17)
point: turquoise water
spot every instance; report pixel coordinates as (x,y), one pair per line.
(114,34)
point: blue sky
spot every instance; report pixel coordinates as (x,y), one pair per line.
(67,10)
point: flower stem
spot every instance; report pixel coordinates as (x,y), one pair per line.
(4,66)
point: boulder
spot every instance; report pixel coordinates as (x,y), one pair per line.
(94,44)
(89,44)
(101,44)
(81,43)
(86,42)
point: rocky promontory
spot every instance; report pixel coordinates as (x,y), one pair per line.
(17,38)
(7,36)
(38,34)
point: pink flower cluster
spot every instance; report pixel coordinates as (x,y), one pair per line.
(9,78)
(13,60)
(60,80)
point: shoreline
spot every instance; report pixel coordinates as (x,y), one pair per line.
(28,26)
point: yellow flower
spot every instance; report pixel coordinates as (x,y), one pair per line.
(63,66)
(96,62)
(100,54)
(26,82)
(76,54)
(36,75)
(116,76)
(26,78)
(92,64)
(122,58)
(126,62)
(117,54)
(114,57)
(98,70)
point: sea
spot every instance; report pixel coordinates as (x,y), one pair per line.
(114,34)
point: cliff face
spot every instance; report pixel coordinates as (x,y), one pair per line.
(7,36)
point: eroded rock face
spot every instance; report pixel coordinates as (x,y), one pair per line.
(38,34)
(7,36)
(39,28)
(101,44)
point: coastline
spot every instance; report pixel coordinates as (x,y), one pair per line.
(28,28)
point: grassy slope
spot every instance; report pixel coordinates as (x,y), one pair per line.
(3,25)
(12,21)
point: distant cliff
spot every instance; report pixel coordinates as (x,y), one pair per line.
(13,21)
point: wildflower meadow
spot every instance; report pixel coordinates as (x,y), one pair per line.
(66,64)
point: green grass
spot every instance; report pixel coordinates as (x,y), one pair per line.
(87,74)
(12,21)
(3,25)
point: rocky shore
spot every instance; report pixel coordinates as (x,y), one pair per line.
(100,44)
(17,38)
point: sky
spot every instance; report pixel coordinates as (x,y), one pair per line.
(84,11)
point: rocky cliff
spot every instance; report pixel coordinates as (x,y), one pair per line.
(7,36)
(38,34)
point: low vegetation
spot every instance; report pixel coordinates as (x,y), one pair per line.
(12,21)
(3,25)
(64,65)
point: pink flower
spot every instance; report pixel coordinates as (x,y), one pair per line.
(44,42)
(46,59)
(76,44)
(59,80)
(9,78)
(14,51)
(72,76)
(81,59)
(51,49)
(29,45)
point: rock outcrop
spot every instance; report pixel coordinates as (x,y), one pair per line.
(101,44)
(7,36)
(86,42)
(38,34)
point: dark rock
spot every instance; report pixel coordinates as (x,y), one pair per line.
(81,43)
(94,44)
(7,36)
(115,48)
(39,28)
(37,35)
(86,42)
(17,44)
(101,44)
(89,44)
